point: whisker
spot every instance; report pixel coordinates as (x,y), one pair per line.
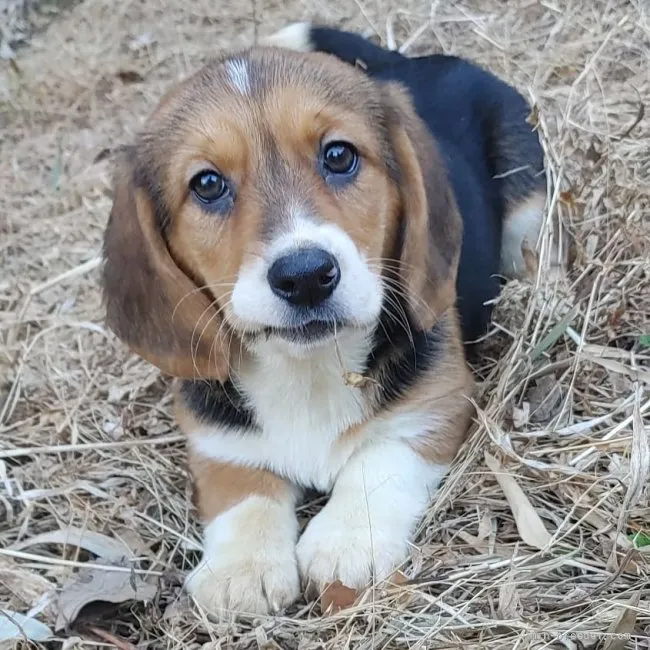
(216,314)
(194,348)
(218,337)
(215,285)
(241,345)
(391,263)
(400,290)
(401,318)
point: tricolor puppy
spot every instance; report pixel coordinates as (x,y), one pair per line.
(305,240)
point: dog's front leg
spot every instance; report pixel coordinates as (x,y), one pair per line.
(249,552)
(364,531)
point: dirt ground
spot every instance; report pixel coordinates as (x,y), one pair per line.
(540,537)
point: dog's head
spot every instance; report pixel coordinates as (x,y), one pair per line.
(276,195)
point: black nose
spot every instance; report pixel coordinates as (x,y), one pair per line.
(305,277)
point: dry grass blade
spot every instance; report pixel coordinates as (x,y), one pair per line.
(529,524)
(96,543)
(87,437)
(554,334)
(623,625)
(639,457)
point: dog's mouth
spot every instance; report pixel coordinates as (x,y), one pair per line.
(314,331)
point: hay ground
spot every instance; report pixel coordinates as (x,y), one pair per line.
(87,439)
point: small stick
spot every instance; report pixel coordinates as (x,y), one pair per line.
(44,559)
(58,449)
(354,379)
(107,636)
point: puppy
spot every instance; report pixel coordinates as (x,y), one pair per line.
(287,240)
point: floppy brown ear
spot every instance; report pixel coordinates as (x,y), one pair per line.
(431,225)
(151,304)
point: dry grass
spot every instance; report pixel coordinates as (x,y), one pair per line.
(86,435)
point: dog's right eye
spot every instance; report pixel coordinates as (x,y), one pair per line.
(340,158)
(209,186)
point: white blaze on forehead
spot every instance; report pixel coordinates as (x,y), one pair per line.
(238,73)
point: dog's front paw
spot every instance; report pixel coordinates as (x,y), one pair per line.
(349,549)
(249,561)
(244,583)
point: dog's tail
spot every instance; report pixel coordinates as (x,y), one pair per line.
(347,46)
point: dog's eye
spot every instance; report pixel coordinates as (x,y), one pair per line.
(340,158)
(208,186)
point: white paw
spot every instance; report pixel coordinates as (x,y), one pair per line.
(245,584)
(362,535)
(249,562)
(336,547)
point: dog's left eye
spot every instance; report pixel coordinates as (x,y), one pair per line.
(340,158)
(208,186)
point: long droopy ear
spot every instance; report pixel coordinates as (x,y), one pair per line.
(431,228)
(151,304)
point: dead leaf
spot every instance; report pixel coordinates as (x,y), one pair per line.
(545,398)
(179,610)
(94,584)
(520,416)
(603,527)
(98,544)
(485,526)
(639,459)
(623,625)
(614,319)
(568,198)
(337,597)
(129,77)
(28,586)
(356,380)
(592,154)
(531,260)
(398,579)
(635,374)
(128,391)
(397,587)
(479,545)
(533,117)
(529,524)
(14,625)
(509,605)
(131,540)
(102,155)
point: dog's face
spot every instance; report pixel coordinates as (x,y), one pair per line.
(276,196)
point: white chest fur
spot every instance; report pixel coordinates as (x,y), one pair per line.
(303,406)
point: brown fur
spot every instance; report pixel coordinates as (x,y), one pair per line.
(266,143)
(433,225)
(444,391)
(151,303)
(220,486)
